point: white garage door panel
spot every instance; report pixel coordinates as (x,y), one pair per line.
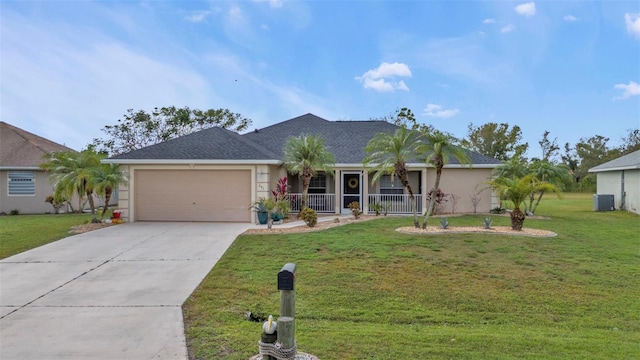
(193,195)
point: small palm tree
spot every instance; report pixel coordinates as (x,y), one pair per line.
(517,190)
(436,149)
(389,154)
(71,172)
(304,155)
(104,179)
(545,170)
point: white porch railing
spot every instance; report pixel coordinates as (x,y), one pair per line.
(395,204)
(321,203)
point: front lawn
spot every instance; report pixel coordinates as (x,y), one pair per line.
(366,291)
(20,233)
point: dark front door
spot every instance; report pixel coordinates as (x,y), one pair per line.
(351,189)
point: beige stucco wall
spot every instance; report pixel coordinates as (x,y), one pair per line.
(464,183)
(610,182)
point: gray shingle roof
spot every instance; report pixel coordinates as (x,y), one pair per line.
(625,162)
(20,148)
(209,144)
(345,139)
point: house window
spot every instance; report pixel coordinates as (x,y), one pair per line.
(318,184)
(22,183)
(389,187)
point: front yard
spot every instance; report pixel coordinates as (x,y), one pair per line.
(23,232)
(367,291)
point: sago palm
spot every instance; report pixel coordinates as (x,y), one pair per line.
(436,149)
(389,153)
(304,155)
(517,190)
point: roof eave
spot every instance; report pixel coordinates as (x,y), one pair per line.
(618,168)
(189,161)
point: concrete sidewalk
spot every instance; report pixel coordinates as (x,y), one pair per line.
(114,293)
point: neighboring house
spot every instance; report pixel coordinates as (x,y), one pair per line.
(216,174)
(23,185)
(621,178)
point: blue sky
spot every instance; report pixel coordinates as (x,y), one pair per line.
(571,67)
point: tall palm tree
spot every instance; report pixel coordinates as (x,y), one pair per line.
(516,166)
(544,170)
(389,154)
(437,149)
(517,190)
(104,179)
(304,155)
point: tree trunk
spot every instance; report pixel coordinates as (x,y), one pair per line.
(92,206)
(533,210)
(107,198)
(432,202)
(517,219)
(402,174)
(306,180)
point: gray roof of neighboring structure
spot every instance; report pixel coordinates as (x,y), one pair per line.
(630,161)
(22,149)
(345,139)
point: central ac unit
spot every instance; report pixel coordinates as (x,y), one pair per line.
(603,202)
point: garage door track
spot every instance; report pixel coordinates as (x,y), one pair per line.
(114,293)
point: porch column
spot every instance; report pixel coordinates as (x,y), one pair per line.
(337,191)
(424,189)
(365,192)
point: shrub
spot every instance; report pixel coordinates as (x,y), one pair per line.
(14,212)
(498,210)
(355,209)
(309,216)
(487,222)
(444,222)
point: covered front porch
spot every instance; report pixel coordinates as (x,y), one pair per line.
(332,194)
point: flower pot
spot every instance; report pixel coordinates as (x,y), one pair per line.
(262,217)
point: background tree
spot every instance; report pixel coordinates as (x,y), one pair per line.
(517,190)
(550,148)
(305,155)
(437,149)
(495,140)
(138,129)
(630,142)
(389,154)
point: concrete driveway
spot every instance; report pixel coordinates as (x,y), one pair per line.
(114,293)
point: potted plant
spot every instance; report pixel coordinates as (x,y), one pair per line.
(260,208)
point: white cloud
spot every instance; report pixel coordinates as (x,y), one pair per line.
(236,17)
(198,16)
(633,24)
(569,18)
(526,9)
(433,110)
(489,21)
(507,29)
(382,78)
(629,90)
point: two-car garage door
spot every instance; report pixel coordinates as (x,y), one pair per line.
(192,195)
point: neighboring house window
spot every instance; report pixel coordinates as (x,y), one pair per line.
(318,184)
(389,187)
(22,183)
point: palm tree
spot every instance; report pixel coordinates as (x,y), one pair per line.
(515,167)
(389,154)
(547,171)
(436,149)
(104,179)
(71,172)
(305,155)
(517,190)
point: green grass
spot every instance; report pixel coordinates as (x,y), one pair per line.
(365,291)
(24,232)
